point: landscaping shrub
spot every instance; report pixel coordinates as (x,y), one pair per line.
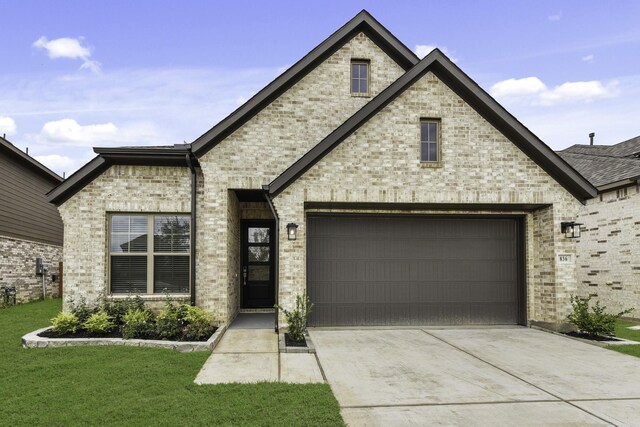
(137,324)
(82,310)
(65,323)
(298,317)
(118,308)
(169,323)
(197,324)
(595,322)
(99,323)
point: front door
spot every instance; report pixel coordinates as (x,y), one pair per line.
(257,275)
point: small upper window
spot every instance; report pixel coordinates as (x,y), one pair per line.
(360,77)
(429,151)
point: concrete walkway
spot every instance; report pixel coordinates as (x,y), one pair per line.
(251,355)
(508,376)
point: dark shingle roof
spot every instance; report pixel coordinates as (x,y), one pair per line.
(605,164)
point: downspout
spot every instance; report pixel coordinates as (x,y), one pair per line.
(190,163)
(276,244)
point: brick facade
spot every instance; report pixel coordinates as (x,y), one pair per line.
(379,163)
(608,263)
(18,266)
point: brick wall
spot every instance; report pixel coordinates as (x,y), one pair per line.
(380,163)
(130,189)
(18,266)
(269,143)
(609,249)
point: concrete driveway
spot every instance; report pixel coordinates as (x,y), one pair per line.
(507,376)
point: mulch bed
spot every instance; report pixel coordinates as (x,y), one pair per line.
(50,333)
(291,343)
(591,337)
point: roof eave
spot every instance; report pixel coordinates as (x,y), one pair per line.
(33,163)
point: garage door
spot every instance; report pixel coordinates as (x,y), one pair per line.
(409,270)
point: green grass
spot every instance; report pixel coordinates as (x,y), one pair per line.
(135,386)
(622,331)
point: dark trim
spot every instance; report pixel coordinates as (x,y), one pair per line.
(497,207)
(29,161)
(191,164)
(245,195)
(522,270)
(143,156)
(362,22)
(475,96)
(276,252)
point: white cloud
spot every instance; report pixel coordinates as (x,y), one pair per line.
(423,50)
(578,91)
(518,87)
(66,47)
(555,17)
(69,131)
(588,58)
(533,91)
(7,125)
(57,162)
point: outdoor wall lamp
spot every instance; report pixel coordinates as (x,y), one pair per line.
(292,231)
(571,230)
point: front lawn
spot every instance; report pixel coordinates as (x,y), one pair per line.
(622,331)
(135,386)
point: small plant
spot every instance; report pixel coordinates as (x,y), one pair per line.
(82,310)
(595,322)
(169,322)
(118,308)
(65,323)
(197,323)
(99,323)
(137,324)
(298,317)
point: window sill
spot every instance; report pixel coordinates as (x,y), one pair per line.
(149,297)
(360,95)
(431,165)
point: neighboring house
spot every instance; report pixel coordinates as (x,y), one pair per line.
(30,227)
(609,247)
(394,190)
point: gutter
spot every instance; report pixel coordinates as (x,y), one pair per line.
(276,244)
(191,165)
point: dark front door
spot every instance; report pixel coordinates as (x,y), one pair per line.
(257,275)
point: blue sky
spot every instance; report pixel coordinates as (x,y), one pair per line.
(78,74)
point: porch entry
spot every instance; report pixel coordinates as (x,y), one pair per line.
(257,273)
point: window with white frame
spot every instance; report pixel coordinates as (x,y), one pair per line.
(149,254)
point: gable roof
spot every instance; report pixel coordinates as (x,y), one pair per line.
(362,22)
(605,165)
(475,96)
(17,154)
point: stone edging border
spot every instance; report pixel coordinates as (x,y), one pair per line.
(603,344)
(282,345)
(32,340)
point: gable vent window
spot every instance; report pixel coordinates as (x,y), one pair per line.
(430,141)
(360,77)
(149,254)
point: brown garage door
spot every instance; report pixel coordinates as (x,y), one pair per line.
(410,270)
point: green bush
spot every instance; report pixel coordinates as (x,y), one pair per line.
(197,323)
(65,323)
(298,317)
(99,323)
(118,308)
(82,310)
(595,322)
(137,324)
(169,323)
